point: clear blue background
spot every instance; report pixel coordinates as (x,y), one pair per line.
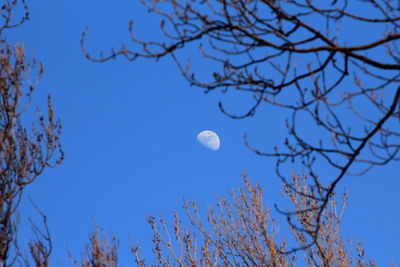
(129,139)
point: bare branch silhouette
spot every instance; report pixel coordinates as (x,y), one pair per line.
(42,245)
(292,54)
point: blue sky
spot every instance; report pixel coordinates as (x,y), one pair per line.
(129,136)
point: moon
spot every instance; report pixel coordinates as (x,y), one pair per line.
(209,139)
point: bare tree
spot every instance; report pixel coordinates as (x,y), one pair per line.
(239,231)
(100,252)
(296,56)
(24,152)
